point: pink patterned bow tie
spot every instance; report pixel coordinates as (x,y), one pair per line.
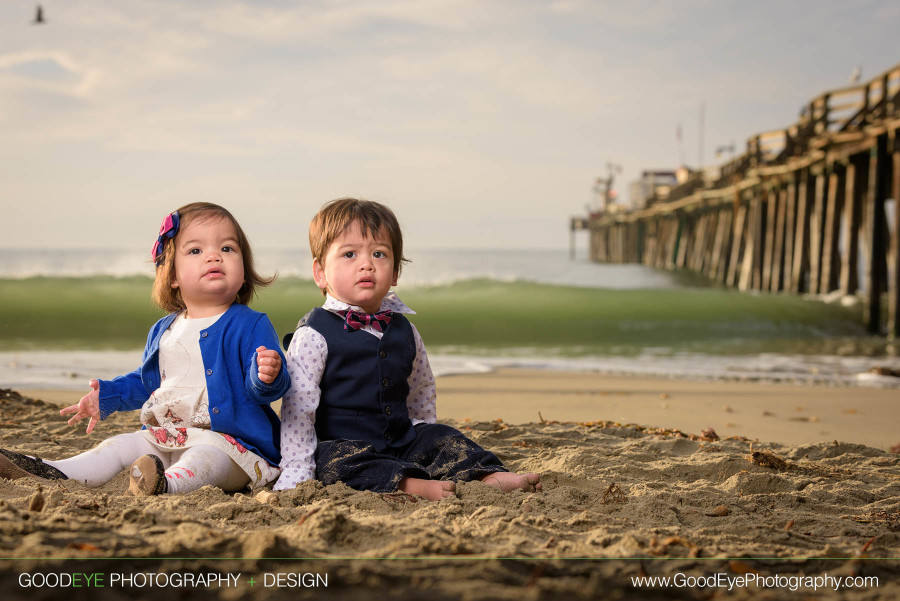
(355,320)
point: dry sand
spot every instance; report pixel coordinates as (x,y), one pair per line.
(787,413)
(619,501)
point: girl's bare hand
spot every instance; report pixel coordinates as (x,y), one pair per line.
(88,406)
(269,364)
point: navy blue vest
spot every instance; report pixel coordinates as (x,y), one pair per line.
(364,385)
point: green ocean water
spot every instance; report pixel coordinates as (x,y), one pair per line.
(480,316)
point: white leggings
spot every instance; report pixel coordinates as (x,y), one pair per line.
(186,469)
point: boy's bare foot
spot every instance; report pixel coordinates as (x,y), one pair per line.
(508,481)
(433,490)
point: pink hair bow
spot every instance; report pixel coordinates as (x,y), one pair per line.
(167,230)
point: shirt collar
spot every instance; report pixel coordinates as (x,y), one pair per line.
(391,302)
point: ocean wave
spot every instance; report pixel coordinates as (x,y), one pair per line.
(765,368)
(428,268)
(71,370)
(73,263)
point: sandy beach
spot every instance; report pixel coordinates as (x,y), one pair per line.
(787,413)
(772,485)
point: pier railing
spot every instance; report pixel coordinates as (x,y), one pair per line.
(809,208)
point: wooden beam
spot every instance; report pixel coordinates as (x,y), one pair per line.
(799,277)
(894,262)
(737,239)
(686,227)
(639,231)
(850,224)
(816,227)
(718,263)
(620,243)
(699,248)
(874,236)
(767,233)
(659,251)
(789,231)
(779,198)
(662,231)
(756,225)
(834,202)
(712,219)
(674,237)
(657,242)
(649,243)
(752,255)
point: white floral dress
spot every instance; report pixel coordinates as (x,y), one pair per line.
(176,415)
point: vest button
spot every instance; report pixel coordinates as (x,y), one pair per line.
(387,410)
(388,437)
(385,383)
(208,372)
(382,354)
(204,334)
(215,410)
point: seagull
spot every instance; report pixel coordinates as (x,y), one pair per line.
(39,16)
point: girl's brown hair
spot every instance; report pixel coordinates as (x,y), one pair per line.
(337,215)
(168,298)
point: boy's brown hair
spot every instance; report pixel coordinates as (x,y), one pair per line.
(337,215)
(168,298)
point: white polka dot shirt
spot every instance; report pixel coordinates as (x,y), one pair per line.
(306,357)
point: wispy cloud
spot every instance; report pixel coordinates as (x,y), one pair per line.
(457,101)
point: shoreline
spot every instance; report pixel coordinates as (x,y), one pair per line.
(71,369)
(786,413)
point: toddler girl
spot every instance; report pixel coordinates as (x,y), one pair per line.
(210,369)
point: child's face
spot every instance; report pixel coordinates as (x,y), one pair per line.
(209,268)
(358,269)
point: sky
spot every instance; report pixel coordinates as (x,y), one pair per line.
(482,123)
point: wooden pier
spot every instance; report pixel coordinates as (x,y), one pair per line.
(799,212)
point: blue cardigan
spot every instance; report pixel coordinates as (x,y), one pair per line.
(238,399)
